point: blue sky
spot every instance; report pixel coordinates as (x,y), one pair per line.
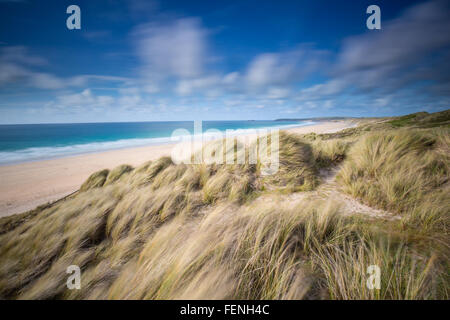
(221,60)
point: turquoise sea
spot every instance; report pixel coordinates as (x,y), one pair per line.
(31,142)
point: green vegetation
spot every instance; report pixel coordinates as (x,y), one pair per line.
(407,120)
(167,231)
(423,120)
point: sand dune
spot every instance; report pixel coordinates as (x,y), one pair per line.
(27,185)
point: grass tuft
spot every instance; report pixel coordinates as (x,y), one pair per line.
(95,180)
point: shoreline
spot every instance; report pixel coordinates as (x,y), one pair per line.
(26,185)
(121,144)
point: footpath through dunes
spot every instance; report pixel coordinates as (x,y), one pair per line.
(167,231)
(329,189)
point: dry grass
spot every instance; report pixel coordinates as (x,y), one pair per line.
(118,173)
(166,231)
(297,170)
(330,152)
(400,170)
(96,180)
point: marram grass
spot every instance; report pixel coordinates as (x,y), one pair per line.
(167,231)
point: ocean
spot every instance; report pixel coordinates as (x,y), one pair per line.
(31,142)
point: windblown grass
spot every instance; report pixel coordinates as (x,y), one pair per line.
(399,170)
(118,173)
(188,231)
(329,152)
(297,171)
(96,180)
(407,172)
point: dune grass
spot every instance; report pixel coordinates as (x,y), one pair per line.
(96,180)
(118,173)
(296,171)
(203,231)
(399,170)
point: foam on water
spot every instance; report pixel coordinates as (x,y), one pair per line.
(50,152)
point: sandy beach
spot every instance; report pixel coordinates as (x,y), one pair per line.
(27,185)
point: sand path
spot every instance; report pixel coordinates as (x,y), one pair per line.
(329,189)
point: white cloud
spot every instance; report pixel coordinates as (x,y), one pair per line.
(176,58)
(277,93)
(377,69)
(419,31)
(188,86)
(151,88)
(231,78)
(17,65)
(45,81)
(318,91)
(175,49)
(84,99)
(129,91)
(20,55)
(406,50)
(130,101)
(283,68)
(265,69)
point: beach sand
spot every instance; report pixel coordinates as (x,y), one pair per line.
(25,186)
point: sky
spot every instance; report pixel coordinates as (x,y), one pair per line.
(142,60)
